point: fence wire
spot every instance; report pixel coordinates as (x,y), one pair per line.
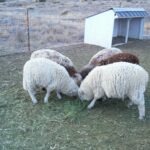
(13,31)
(22,30)
(30,29)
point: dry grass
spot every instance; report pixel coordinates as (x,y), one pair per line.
(66,124)
(52,23)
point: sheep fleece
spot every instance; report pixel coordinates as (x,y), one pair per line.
(116,80)
(60,59)
(42,72)
(103,54)
(52,55)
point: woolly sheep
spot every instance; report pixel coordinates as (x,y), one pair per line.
(125,57)
(117,80)
(104,54)
(97,58)
(44,73)
(60,59)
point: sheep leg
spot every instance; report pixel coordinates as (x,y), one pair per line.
(104,98)
(46,97)
(59,95)
(130,104)
(97,95)
(138,99)
(91,105)
(141,107)
(49,89)
(32,95)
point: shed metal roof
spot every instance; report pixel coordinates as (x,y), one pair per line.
(130,12)
(127,12)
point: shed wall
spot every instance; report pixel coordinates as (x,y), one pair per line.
(120,27)
(99,29)
(134,30)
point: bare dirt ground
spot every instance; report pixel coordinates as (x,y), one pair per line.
(66,124)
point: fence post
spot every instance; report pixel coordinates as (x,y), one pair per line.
(28,28)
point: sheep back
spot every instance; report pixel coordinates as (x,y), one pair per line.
(103,54)
(124,57)
(52,55)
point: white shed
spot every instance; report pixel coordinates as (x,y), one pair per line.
(104,28)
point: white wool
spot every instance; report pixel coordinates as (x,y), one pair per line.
(44,73)
(52,55)
(58,58)
(104,54)
(117,80)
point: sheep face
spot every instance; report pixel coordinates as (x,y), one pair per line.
(85,94)
(72,89)
(77,78)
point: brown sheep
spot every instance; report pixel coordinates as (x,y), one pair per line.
(125,57)
(98,57)
(103,54)
(120,57)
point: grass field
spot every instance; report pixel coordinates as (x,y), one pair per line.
(66,124)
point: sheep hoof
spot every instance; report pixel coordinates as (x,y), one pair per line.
(59,96)
(45,102)
(90,106)
(141,118)
(129,104)
(35,102)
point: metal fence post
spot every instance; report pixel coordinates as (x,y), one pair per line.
(28,29)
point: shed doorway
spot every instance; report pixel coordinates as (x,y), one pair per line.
(126,29)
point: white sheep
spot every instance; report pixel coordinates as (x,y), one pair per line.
(117,80)
(44,73)
(60,59)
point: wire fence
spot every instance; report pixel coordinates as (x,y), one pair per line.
(13,31)
(23,30)
(30,29)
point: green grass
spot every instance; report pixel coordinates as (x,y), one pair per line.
(66,124)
